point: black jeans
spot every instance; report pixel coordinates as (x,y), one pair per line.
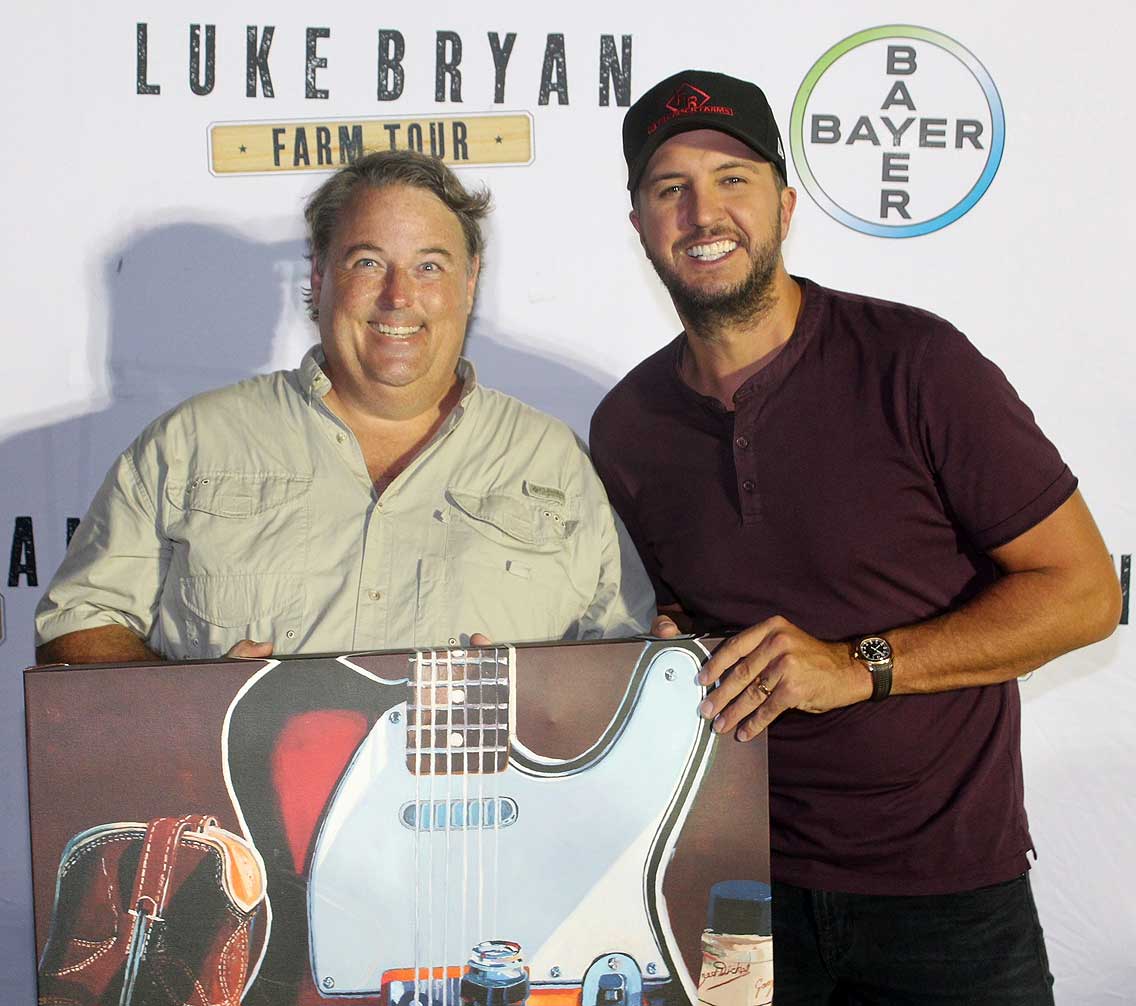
(979,948)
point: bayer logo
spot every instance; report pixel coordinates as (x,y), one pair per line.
(897,131)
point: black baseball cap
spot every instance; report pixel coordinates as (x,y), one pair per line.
(699,99)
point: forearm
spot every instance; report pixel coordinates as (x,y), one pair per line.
(1058,591)
(1016,625)
(1035,612)
(107,644)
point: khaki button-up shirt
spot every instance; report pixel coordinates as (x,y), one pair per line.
(248,512)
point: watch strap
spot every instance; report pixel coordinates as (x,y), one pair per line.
(881,680)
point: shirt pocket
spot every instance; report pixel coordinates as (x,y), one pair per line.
(211,613)
(228,522)
(510,521)
(509,569)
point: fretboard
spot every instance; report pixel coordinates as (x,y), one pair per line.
(459,711)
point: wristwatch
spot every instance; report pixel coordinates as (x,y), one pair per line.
(875,654)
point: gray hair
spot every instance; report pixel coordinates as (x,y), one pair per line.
(377,170)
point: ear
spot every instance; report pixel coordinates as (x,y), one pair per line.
(471,279)
(633,216)
(788,207)
(315,280)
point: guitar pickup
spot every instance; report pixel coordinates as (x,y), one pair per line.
(458,815)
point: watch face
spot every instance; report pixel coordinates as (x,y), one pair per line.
(875,648)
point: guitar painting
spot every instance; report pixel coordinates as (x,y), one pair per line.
(539,823)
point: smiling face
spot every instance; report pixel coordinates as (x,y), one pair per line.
(711,218)
(394,293)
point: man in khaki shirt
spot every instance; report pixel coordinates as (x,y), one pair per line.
(376,497)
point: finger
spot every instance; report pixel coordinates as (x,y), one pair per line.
(663,627)
(738,684)
(757,693)
(250,648)
(731,651)
(480,639)
(760,693)
(761,718)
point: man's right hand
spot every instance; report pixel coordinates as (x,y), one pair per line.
(250,649)
(663,627)
(671,621)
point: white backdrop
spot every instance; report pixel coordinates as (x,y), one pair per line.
(135,276)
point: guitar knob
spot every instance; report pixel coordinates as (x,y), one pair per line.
(496,975)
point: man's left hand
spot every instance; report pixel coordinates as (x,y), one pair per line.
(774,666)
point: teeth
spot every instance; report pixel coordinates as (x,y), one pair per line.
(711,252)
(398,331)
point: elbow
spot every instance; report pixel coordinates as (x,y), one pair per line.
(1103,608)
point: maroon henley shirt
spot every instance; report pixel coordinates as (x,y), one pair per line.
(857,486)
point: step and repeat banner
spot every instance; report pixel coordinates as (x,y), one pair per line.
(970,160)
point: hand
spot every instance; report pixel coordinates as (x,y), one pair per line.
(774,666)
(249,649)
(664,627)
(479,639)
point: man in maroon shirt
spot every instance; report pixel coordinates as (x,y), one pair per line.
(850,484)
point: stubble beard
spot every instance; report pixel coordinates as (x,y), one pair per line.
(712,311)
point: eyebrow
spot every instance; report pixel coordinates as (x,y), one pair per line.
(367,246)
(734,165)
(725,166)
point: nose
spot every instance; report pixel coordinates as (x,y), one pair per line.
(395,291)
(704,206)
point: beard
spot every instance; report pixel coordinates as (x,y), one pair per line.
(744,302)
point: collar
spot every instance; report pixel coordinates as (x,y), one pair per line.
(773,372)
(316,383)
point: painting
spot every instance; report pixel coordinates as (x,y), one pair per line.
(544,823)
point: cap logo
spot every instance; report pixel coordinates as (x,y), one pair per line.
(688,100)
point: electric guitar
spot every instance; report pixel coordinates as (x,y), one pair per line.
(446,833)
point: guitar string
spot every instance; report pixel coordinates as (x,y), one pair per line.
(466,814)
(447,818)
(430,952)
(497,770)
(416,691)
(492,801)
(481,805)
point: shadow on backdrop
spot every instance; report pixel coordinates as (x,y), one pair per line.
(190,307)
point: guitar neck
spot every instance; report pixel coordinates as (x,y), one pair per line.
(460,711)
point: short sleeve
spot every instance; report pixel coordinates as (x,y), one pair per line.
(115,564)
(998,473)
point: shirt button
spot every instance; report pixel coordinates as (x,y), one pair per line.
(741,442)
(749,485)
(340,437)
(453,642)
(374,595)
(291,633)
